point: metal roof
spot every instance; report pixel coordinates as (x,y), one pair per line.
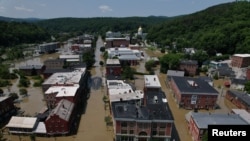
(22,122)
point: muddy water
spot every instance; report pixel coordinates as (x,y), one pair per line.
(33,102)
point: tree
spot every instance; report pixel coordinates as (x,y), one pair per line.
(247,87)
(14,95)
(149,65)
(23,91)
(205,136)
(163,50)
(89,59)
(128,72)
(200,56)
(101,63)
(102,49)
(170,61)
(32,137)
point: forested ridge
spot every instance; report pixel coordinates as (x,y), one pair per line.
(99,24)
(223,28)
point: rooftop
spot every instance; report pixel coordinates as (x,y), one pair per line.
(129,57)
(69,56)
(2,98)
(117,84)
(63,91)
(202,120)
(243,114)
(190,85)
(22,122)
(156,108)
(152,81)
(135,95)
(112,61)
(241,95)
(66,77)
(193,62)
(242,55)
(175,73)
(63,109)
(31,67)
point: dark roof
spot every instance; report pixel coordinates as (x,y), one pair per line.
(54,60)
(206,78)
(223,65)
(238,81)
(56,70)
(226,72)
(114,77)
(242,96)
(190,85)
(31,67)
(190,62)
(127,110)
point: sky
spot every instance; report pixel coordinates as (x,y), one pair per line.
(47,9)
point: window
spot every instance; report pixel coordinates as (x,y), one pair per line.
(154,132)
(124,132)
(154,125)
(131,131)
(124,124)
(131,124)
(163,125)
(161,133)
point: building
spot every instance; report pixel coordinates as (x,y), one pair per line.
(113,67)
(48,72)
(7,108)
(146,119)
(248,73)
(238,84)
(198,122)
(243,114)
(189,66)
(48,47)
(125,55)
(239,98)
(171,73)
(54,63)
(117,42)
(190,93)
(240,60)
(111,34)
(22,125)
(60,120)
(56,93)
(31,70)
(71,59)
(82,48)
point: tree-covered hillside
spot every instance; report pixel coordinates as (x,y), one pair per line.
(14,33)
(223,28)
(99,25)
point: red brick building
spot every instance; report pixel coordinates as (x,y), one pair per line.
(117,42)
(31,70)
(189,66)
(143,121)
(197,123)
(113,67)
(240,60)
(239,98)
(248,73)
(60,120)
(7,108)
(190,93)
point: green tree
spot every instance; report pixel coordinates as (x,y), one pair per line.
(32,137)
(1,91)
(89,59)
(200,56)
(14,95)
(128,72)
(101,63)
(247,87)
(205,136)
(102,49)
(170,61)
(149,65)
(23,91)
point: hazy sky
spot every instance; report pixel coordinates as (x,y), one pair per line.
(102,8)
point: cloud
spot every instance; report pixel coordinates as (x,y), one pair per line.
(21,8)
(43,5)
(2,9)
(105,8)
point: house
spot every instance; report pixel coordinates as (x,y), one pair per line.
(48,47)
(240,60)
(248,73)
(56,93)
(189,66)
(7,108)
(113,67)
(60,120)
(31,70)
(198,122)
(142,121)
(190,93)
(126,56)
(239,98)
(54,63)
(243,114)
(171,73)
(22,125)
(71,59)
(117,42)
(238,84)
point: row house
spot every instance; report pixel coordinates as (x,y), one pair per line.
(117,42)
(61,118)
(240,60)
(189,66)
(113,67)
(239,99)
(145,117)
(190,93)
(197,123)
